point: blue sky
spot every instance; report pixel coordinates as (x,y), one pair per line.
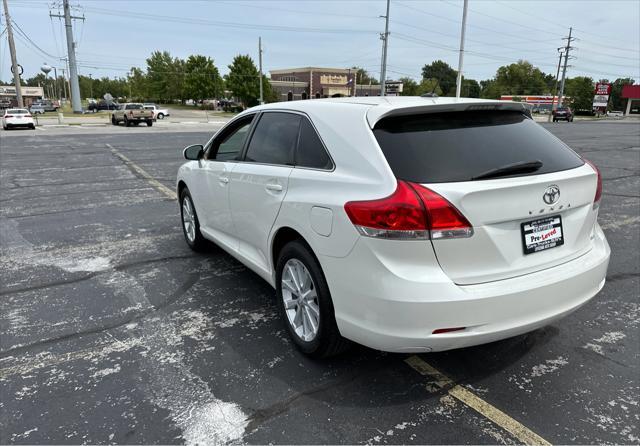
(333,33)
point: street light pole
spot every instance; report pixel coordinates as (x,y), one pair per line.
(461,57)
(385,41)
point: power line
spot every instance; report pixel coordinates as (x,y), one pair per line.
(253,26)
(23,34)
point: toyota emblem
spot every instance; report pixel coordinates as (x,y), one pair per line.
(551,194)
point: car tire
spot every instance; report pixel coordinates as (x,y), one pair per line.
(113,120)
(136,123)
(127,123)
(297,257)
(4,127)
(191,224)
(160,116)
(149,123)
(32,126)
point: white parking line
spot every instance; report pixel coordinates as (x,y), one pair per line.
(470,399)
(133,166)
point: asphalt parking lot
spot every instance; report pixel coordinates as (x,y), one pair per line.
(113,331)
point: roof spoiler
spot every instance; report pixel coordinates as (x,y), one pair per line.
(375,114)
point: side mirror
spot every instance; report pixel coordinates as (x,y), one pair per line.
(193,152)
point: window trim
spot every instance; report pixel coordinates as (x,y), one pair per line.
(295,151)
(256,122)
(223,133)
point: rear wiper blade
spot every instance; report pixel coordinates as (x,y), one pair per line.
(510,169)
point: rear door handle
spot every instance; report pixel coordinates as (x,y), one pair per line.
(223,180)
(274,187)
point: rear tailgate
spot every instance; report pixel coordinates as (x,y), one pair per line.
(447,152)
(500,211)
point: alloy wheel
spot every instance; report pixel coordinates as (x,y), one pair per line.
(300,300)
(188,219)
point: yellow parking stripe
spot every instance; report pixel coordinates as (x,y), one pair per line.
(143,173)
(470,399)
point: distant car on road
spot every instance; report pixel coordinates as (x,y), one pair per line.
(615,113)
(17,117)
(103,105)
(159,113)
(47,105)
(132,114)
(37,109)
(563,114)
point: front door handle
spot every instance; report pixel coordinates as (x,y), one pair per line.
(223,180)
(274,187)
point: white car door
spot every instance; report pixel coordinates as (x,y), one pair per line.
(259,182)
(211,193)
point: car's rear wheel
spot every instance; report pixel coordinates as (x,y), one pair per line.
(32,126)
(160,116)
(305,302)
(127,123)
(190,223)
(136,123)
(149,123)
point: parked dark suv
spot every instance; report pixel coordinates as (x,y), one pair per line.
(563,114)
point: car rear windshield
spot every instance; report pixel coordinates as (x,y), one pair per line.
(134,107)
(17,111)
(459,146)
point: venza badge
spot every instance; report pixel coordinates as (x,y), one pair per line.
(551,194)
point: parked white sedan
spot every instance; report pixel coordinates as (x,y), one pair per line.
(17,117)
(158,113)
(404,224)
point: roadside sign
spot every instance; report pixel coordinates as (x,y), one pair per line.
(601,95)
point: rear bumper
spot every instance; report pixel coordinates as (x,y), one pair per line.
(386,306)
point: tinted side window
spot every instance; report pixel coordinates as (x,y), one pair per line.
(229,145)
(311,151)
(274,139)
(458,146)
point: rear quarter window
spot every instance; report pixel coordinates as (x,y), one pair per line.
(458,146)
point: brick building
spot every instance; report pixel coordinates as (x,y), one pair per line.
(294,84)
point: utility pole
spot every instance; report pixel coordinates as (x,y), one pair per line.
(14,61)
(555,87)
(91,86)
(564,70)
(71,50)
(260,64)
(461,57)
(385,41)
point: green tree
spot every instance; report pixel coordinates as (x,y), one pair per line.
(165,77)
(243,80)
(580,89)
(138,84)
(520,78)
(617,102)
(470,88)
(363,77)
(202,79)
(409,87)
(412,88)
(270,95)
(444,74)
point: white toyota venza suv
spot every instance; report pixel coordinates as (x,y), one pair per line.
(403,224)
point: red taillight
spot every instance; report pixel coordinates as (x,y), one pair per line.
(8,116)
(27,116)
(598,196)
(444,220)
(400,215)
(411,212)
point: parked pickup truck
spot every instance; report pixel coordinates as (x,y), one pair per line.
(159,113)
(132,114)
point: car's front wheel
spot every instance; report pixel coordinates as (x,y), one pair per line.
(305,302)
(190,223)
